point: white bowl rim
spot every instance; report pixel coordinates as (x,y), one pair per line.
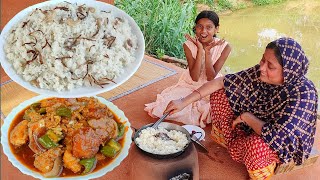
(84,90)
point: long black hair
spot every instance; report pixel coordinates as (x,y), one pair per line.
(210,15)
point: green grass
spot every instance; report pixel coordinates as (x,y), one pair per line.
(266,2)
(162,22)
(225,4)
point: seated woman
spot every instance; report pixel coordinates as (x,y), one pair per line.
(266,114)
(206,55)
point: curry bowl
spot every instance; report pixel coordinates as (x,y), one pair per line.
(42,110)
(169,127)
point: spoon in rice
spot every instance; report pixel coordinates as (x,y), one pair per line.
(156,124)
(162,135)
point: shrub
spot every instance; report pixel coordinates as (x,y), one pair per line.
(225,4)
(162,22)
(266,2)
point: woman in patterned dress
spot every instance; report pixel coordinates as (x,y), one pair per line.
(266,114)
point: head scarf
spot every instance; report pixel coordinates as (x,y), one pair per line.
(289,110)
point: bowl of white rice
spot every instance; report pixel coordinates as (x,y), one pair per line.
(167,141)
(71,48)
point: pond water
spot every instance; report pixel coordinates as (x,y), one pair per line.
(250,30)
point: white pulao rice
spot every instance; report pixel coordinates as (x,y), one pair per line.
(150,142)
(79,52)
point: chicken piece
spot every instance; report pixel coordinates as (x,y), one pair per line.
(52,121)
(34,116)
(19,134)
(56,170)
(100,156)
(105,127)
(71,162)
(95,110)
(99,123)
(103,135)
(67,141)
(85,143)
(45,161)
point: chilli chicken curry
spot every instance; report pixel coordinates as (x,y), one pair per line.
(66,137)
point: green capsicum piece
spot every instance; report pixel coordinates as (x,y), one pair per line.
(111,149)
(53,136)
(46,142)
(121,129)
(42,111)
(26,114)
(89,164)
(64,112)
(35,106)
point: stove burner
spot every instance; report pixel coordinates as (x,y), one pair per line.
(183,174)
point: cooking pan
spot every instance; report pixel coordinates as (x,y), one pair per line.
(167,126)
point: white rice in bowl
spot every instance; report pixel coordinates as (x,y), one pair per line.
(149,141)
(65,46)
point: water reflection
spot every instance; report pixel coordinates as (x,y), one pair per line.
(250,30)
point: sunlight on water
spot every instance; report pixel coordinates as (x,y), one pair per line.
(250,30)
(269,35)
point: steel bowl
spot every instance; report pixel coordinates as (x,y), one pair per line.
(167,126)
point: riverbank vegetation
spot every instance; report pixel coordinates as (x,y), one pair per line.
(164,22)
